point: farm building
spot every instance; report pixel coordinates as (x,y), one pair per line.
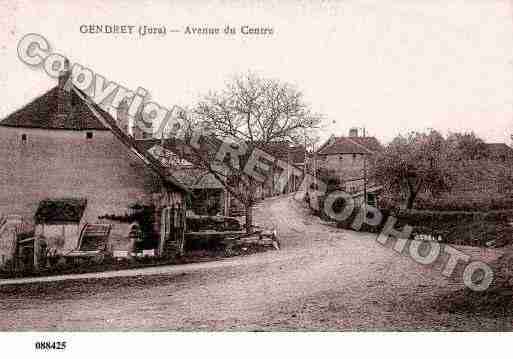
(64,146)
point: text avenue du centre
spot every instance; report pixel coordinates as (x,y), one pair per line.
(157,29)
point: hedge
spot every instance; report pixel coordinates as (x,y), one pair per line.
(478,228)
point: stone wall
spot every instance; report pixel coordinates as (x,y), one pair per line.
(346,166)
(61,163)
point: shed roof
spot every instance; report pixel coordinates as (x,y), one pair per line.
(60,210)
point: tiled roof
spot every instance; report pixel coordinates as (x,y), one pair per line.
(175,145)
(197,178)
(278,150)
(194,177)
(62,210)
(82,114)
(348,145)
(42,113)
(284,151)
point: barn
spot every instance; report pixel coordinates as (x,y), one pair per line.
(62,145)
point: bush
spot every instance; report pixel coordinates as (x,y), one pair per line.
(477,228)
(459,201)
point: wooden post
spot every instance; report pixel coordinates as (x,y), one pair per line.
(288,172)
(36,251)
(180,231)
(226,194)
(14,251)
(162,231)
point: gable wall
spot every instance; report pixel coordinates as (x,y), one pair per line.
(61,163)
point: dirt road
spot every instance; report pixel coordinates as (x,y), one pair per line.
(324,278)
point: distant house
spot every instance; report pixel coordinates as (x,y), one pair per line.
(294,156)
(208,195)
(286,151)
(348,157)
(63,145)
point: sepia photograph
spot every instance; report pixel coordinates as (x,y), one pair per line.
(173,170)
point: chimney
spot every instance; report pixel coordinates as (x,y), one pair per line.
(353,132)
(64,91)
(122,115)
(141,130)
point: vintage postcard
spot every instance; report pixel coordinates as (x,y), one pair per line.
(253,166)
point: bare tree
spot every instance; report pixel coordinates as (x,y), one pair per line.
(236,126)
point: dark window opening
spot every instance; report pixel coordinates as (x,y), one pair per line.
(371,199)
(24,138)
(89,135)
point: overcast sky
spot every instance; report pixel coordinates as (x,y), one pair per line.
(391,66)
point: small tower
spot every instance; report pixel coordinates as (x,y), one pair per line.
(141,129)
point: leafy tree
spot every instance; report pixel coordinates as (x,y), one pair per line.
(415,163)
(467,146)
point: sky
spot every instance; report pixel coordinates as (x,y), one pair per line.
(389,66)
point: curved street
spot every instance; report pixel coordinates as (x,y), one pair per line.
(323,278)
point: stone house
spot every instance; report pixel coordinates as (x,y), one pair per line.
(294,156)
(63,145)
(348,157)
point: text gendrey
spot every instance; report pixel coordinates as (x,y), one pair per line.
(123,29)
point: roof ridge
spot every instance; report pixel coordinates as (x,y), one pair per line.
(42,112)
(359,144)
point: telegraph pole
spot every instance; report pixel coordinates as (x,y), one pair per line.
(304,161)
(314,166)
